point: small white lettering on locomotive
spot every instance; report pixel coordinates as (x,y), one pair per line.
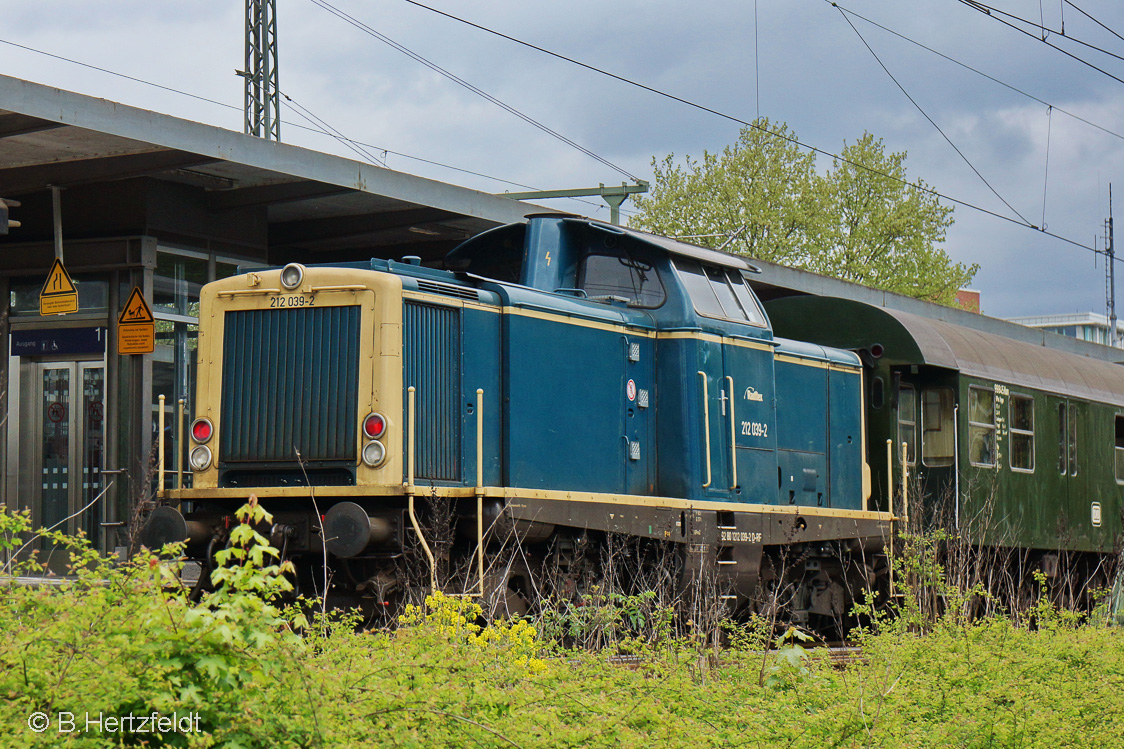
(754,429)
(752,395)
(740,537)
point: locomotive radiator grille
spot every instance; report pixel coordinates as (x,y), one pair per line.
(432,353)
(290,380)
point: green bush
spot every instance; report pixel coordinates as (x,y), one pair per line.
(125,639)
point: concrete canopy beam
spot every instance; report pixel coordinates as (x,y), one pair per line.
(68,108)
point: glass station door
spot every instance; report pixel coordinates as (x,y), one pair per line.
(62,439)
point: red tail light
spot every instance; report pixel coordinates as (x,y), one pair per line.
(201,430)
(374,426)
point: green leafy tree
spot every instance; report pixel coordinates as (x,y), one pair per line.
(762,191)
(884,231)
(762,197)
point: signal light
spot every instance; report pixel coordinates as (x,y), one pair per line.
(374,426)
(201,430)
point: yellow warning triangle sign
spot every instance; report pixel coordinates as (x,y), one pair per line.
(58,281)
(136,310)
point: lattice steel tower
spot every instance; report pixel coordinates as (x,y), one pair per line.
(263,100)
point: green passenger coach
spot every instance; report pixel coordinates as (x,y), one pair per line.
(1012,445)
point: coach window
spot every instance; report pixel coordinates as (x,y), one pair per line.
(878,393)
(981,427)
(1071,441)
(938,445)
(1119,449)
(621,275)
(1062,430)
(907,422)
(1021,420)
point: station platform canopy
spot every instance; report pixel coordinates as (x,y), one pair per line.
(312,204)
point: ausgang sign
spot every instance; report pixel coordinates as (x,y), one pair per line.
(136,327)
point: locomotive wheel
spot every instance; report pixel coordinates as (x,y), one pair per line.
(508,590)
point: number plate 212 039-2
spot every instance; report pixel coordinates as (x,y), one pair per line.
(292,300)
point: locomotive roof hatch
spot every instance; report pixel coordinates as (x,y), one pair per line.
(909,339)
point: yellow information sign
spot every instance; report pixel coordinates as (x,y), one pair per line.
(59,295)
(136,327)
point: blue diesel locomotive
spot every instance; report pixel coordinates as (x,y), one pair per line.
(560,382)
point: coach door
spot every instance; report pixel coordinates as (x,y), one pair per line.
(1072,496)
(61,440)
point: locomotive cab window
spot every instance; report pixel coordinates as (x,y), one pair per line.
(938,442)
(1119,449)
(608,274)
(981,427)
(1021,420)
(907,423)
(719,292)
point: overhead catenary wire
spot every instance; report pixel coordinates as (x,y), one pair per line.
(311,127)
(1094,20)
(1045,31)
(978,72)
(755,125)
(474,89)
(995,14)
(925,114)
(966,204)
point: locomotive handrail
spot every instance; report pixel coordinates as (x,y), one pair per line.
(733,438)
(890,505)
(244,292)
(160,471)
(706,426)
(345,287)
(180,431)
(410,491)
(480,489)
(905,485)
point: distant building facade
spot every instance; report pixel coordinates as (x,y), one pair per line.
(968,299)
(1085,326)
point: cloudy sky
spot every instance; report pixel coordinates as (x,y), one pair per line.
(792,60)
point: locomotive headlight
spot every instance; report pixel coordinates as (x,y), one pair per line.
(200,458)
(292,275)
(201,430)
(374,453)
